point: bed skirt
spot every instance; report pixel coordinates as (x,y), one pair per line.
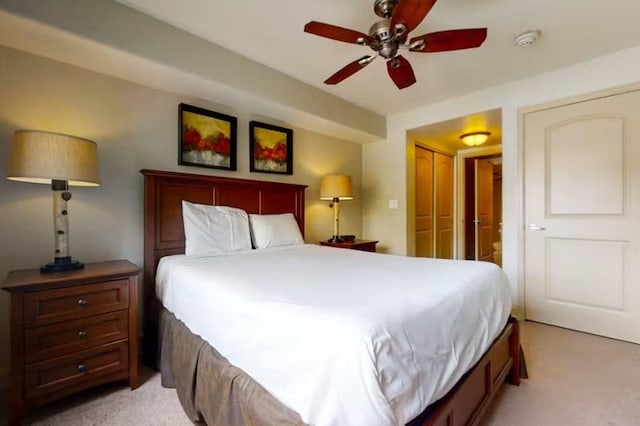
(215,392)
(228,396)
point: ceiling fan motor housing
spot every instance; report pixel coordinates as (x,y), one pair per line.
(385,41)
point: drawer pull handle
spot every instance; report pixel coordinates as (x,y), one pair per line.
(82,334)
(82,302)
(81,368)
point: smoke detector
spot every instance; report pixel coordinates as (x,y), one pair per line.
(527,39)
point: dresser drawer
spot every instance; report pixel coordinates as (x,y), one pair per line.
(51,306)
(70,331)
(90,366)
(50,341)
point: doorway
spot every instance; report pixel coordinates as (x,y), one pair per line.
(435,213)
(482,221)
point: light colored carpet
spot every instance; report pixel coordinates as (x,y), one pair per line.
(116,405)
(574,379)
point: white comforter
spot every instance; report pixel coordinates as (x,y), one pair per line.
(342,337)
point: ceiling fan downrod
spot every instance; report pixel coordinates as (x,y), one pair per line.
(385,8)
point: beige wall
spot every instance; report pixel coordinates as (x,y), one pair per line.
(391,226)
(135,128)
(111,38)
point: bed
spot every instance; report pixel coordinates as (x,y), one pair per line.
(213,389)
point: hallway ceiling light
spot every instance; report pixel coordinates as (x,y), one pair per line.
(475,138)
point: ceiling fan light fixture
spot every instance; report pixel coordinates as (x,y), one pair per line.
(475,138)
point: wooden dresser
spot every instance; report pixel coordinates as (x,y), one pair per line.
(363,245)
(71,331)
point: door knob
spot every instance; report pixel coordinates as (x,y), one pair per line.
(534,227)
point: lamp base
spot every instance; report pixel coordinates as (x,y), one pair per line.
(62,264)
(336,239)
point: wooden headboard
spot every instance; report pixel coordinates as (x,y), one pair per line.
(164,231)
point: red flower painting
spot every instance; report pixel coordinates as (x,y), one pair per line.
(271,148)
(207,138)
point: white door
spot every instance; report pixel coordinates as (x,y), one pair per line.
(582,216)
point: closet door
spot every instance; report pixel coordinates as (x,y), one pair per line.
(424,202)
(443,172)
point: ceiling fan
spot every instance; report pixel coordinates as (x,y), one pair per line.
(387,36)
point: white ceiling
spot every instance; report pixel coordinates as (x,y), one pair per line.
(271,32)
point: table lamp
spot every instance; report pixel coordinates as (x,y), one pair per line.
(336,188)
(62,161)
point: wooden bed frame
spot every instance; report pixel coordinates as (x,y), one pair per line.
(465,404)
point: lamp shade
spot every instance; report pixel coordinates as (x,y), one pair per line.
(40,157)
(336,186)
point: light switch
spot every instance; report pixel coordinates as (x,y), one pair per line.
(393,204)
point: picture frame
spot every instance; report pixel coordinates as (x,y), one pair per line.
(270,148)
(206,138)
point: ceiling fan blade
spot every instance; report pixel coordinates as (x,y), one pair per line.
(443,41)
(401,72)
(411,13)
(350,70)
(336,33)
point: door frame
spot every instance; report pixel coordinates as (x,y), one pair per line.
(519,309)
(482,151)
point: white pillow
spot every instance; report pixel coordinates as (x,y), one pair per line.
(214,229)
(273,230)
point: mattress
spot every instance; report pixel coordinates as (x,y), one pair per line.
(341,336)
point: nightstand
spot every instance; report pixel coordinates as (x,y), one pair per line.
(363,245)
(71,331)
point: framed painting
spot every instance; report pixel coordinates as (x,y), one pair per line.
(271,148)
(207,138)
